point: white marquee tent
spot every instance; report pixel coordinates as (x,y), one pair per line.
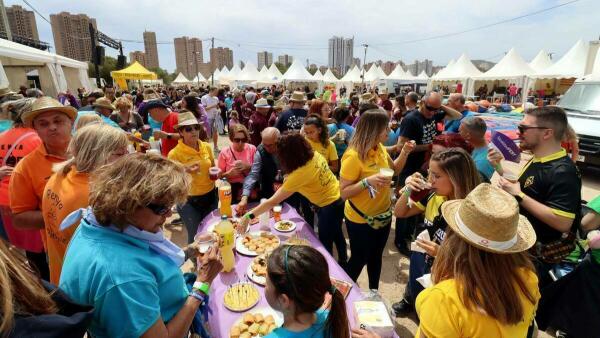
(199,78)
(373,74)
(423,76)
(511,69)
(329,77)
(571,65)
(541,62)
(443,70)
(399,74)
(318,75)
(275,73)
(265,78)
(352,76)
(248,74)
(297,73)
(462,70)
(56,73)
(181,80)
(229,77)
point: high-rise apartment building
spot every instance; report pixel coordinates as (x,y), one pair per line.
(285,60)
(22,22)
(355,62)
(188,55)
(341,53)
(264,59)
(72,35)
(388,67)
(220,57)
(151,50)
(138,56)
(5,32)
(419,66)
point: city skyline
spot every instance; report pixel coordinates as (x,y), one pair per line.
(390,42)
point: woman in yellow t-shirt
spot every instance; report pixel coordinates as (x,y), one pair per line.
(317,136)
(197,158)
(67,190)
(484,284)
(452,175)
(366,187)
(307,173)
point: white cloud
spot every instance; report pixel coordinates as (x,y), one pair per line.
(301,28)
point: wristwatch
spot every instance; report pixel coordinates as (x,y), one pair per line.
(168,136)
(519,197)
(201,286)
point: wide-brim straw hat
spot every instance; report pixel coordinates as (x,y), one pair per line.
(262,103)
(488,218)
(46,104)
(297,97)
(104,103)
(186,119)
(366,97)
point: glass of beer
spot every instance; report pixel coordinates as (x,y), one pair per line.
(213,173)
(277,213)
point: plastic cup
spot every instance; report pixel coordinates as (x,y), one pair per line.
(204,241)
(213,173)
(387,172)
(277,213)
(511,177)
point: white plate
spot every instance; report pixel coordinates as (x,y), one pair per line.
(265,311)
(239,246)
(292,228)
(249,306)
(260,280)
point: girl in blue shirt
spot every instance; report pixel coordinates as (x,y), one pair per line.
(297,281)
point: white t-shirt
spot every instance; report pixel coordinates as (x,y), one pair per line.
(208,100)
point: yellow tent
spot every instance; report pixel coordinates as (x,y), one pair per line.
(134,72)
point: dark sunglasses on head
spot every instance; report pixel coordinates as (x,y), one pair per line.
(158,209)
(239,140)
(523,128)
(189,129)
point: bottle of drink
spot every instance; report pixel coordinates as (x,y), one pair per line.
(226,231)
(225,198)
(278,181)
(138,146)
(264,218)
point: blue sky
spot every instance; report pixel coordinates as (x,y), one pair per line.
(301,28)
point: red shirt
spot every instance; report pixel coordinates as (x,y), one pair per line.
(257,123)
(25,146)
(168,127)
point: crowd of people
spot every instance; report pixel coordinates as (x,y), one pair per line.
(88,183)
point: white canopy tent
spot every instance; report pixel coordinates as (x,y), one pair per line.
(248,75)
(329,77)
(444,70)
(56,73)
(373,74)
(318,75)
(352,76)
(265,78)
(224,71)
(541,62)
(423,76)
(463,70)
(397,79)
(229,77)
(199,78)
(298,74)
(399,74)
(571,65)
(181,80)
(275,73)
(511,69)
(216,75)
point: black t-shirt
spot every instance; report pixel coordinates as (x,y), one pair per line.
(554,181)
(414,126)
(292,119)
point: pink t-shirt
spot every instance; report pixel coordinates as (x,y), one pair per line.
(228,156)
(512,90)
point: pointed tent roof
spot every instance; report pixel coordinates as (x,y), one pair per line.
(181,79)
(198,78)
(444,70)
(380,72)
(373,74)
(318,75)
(249,73)
(134,72)
(572,64)
(541,61)
(511,66)
(297,72)
(353,75)
(264,71)
(423,75)
(224,71)
(463,68)
(275,71)
(398,74)
(266,78)
(329,77)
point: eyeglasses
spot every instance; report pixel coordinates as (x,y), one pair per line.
(189,129)
(158,209)
(239,140)
(523,128)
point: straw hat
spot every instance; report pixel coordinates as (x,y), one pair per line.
(104,103)
(367,97)
(186,119)
(297,97)
(279,104)
(262,103)
(6,91)
(46,104)
(489,219)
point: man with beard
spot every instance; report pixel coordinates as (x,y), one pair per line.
(549,187)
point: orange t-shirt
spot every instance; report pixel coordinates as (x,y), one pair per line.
(63,195)
(25,146)
(28,180)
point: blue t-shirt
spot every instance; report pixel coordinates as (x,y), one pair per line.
(453,125)
(341,147)
(479,156)
(315,331)
(392,138)
(229,103)
(105,119)
(128,284)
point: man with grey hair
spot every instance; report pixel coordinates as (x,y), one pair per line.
(457,102)
(410,101)
(263,170)
(487,160)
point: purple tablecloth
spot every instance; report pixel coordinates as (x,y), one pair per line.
(222,319)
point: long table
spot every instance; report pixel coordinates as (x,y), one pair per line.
(221,319)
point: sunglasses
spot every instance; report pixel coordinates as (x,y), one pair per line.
(239,140)
(158,209)
(523,128)
(430,108)
(189,129)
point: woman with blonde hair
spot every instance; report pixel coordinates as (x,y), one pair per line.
(125,117)
(119,260)
(484,284)
(86,119)
(365,180)
(67,190)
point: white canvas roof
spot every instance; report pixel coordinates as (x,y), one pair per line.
(180,79)
(353,75)
(198,78)
(423,76)
(571,65)
(541,61)
(443,70)
(266,78)
(224,71)
(380,72)
(318,75)
(329,77)
(249,73)
(264,71)
(18,51)
(298,73)
(463,68)
(511,66)
(373,74)
(275,72)
(399,74)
